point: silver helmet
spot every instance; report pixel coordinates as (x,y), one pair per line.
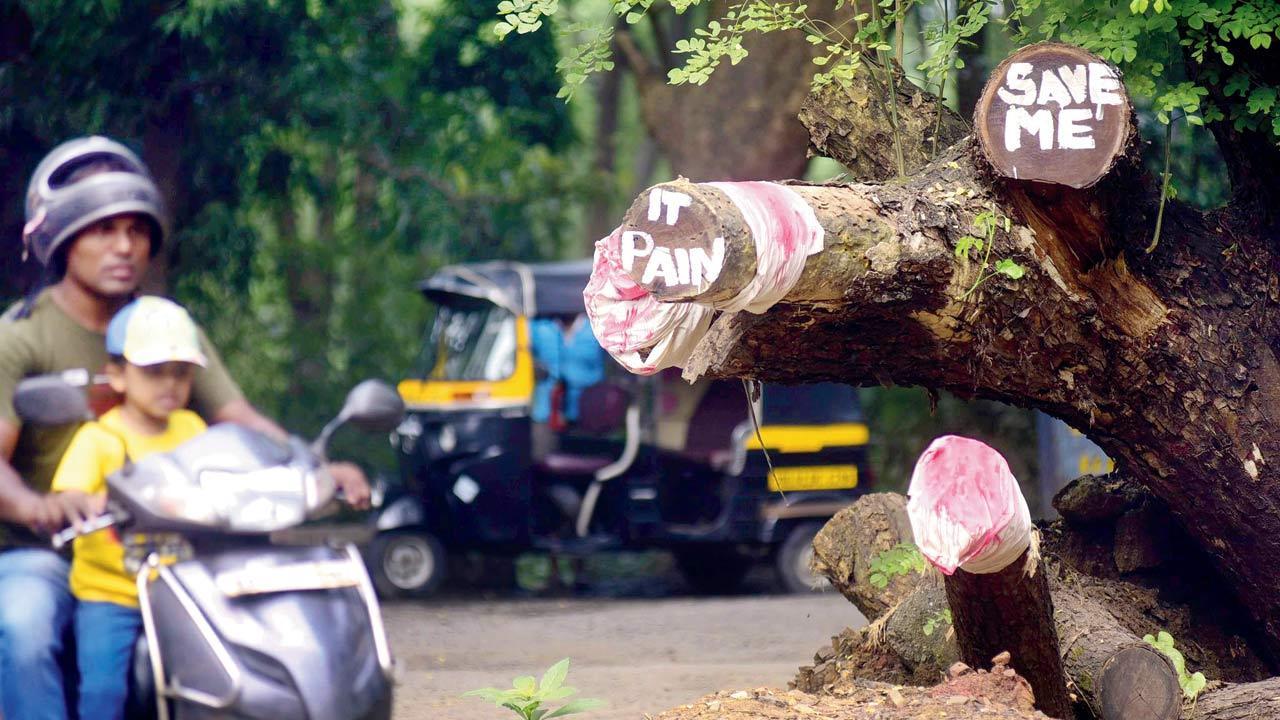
(63,199)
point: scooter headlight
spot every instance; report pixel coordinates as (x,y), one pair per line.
(260,501)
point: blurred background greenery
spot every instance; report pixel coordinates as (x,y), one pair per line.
(319,158)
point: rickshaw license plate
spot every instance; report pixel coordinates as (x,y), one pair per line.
(823,477)
(319,575)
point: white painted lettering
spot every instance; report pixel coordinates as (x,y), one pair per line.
(655,204)
(1071,134)
(1077,81)
(1018,119)
(674,201)
(660,263)
(1052,90)
(706,268)
(629,250)
(1104,87)
(1016,79)
(669,199)
(682,265)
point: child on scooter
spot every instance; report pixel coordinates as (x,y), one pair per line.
(155,353)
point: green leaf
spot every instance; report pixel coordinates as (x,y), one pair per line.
(634,17)
(1010,269)
(1138,7)
(502,29)
(1194,684)
(525,684)
(554,677)
(577,706)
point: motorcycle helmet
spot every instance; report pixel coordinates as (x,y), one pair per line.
(81,182)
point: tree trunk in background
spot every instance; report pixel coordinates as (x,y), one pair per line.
(740,125)
(600,213)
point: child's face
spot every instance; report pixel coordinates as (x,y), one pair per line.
(153,390)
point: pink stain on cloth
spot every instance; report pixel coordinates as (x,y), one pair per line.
(647,336)
(966,508)
(629,322)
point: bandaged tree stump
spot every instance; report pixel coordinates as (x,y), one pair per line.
(971,522)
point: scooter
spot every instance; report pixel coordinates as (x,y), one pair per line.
(237,626)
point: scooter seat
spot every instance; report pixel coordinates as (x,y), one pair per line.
(567,464)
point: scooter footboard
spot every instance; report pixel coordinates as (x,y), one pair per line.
(277,633)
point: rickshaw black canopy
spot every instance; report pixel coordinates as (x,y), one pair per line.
(533,290)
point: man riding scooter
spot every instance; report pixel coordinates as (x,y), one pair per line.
(94,220)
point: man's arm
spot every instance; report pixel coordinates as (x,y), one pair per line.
(348,476)
(240,412)
(21,504)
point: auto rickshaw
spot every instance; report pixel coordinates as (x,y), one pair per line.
(651,463)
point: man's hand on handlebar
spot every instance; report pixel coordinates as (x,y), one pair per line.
(351,480)
(50,513)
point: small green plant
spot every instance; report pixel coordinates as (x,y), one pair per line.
(526,696)
(1191,684)
(936,621)
(900,559)
(985,224)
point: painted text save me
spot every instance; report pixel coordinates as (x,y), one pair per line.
(1030,99)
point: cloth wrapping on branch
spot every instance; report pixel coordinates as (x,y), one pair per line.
(647,336)
(627,320)
(966,508)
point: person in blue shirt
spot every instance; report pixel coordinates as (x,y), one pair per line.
(567,354)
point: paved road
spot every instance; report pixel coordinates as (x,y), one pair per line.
(642,656)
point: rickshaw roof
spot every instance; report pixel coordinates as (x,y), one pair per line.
(532,289)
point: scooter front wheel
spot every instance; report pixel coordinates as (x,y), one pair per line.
(406,563)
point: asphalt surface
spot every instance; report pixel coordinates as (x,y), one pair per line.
(640,655)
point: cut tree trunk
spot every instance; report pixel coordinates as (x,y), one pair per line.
(1115,673)
(1011,611)
(847,547)
(1165,359)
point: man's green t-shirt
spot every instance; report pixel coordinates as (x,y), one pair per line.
(48,341)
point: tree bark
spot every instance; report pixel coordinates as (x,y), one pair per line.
(846,549)
(1242,701)
(1011,610)
(1115,673)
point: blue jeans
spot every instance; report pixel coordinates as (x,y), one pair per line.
(35,608)
(105,634)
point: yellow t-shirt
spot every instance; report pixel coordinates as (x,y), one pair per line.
(96,451)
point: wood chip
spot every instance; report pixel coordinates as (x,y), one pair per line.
(896,697)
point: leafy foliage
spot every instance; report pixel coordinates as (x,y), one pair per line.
(526,696)
(901,559)
(985,224)
(318,161)
(1191,684)
(936,621)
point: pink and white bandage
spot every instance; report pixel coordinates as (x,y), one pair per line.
(629,322)
(966,508)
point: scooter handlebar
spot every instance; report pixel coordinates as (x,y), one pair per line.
(101,522)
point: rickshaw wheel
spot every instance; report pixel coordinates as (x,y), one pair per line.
(406,563)
(712,568)
(793,558)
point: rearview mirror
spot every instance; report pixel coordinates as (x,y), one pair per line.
(373,406)
(50,400)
